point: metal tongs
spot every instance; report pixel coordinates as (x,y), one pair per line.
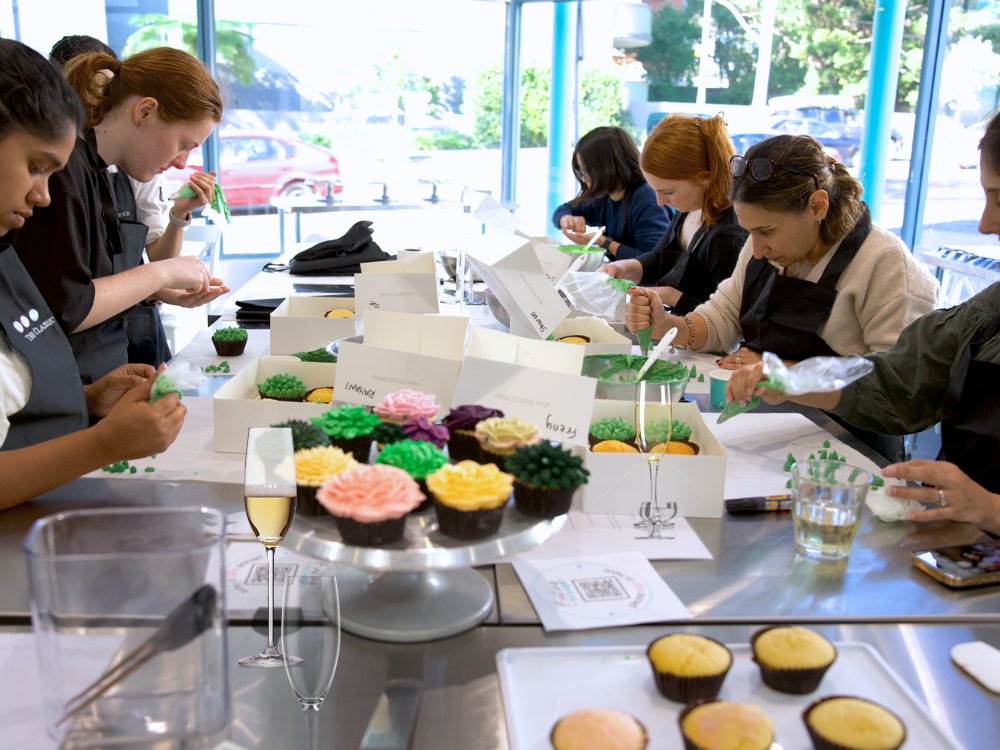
(184,623)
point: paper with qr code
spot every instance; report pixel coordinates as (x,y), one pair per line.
(598,591)
(246,575)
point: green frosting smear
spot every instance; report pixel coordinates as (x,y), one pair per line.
(388,432)
(163,385)
(547,466)
(620,285)
(659,431)
(662,371)
(283,386)
(418,458)
(579,249)
(316,355)
(232,333)
(346,422)
(613,428)
(305,435)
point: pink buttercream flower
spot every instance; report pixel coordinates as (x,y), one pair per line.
(407,404)
(370,494)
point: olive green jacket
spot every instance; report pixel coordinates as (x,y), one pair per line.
(905,393)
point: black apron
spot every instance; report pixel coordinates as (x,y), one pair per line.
(784,315)
(970,420)
(676,261)
(147,342)
(56,406)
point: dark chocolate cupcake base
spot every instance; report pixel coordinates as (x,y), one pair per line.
(361,447)
(370,534)
(306,503)
(488,457)
(463,446)
(539,502)
(468,524)
(230,348)
(428,502)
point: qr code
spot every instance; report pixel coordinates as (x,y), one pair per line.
(258,574)
(599,589)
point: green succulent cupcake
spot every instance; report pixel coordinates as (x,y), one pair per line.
(545,478)
(659,431)
(305,435)
(386,433)
(611,428)
(230,342)
(349,428)
(282,387)
(418,458)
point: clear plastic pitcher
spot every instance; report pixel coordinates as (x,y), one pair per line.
(134,596)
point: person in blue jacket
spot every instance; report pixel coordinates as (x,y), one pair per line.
(613,195)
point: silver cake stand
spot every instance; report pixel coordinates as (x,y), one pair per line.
(422,587)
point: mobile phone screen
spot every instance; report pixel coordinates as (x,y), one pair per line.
(966,561)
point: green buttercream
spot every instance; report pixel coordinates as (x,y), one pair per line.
(547,466)
(701,378)
(658,431)
(305,434)
(579,249)
(388,432)
(613,428)
(620,285)
(418,458)
(316,355)
(662,371)
(218,202)
(232,333)
(645,338)
(163,385)
(346,422)
(283,386)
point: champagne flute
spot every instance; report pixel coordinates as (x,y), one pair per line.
(310,625)
(657,396)
(269,492)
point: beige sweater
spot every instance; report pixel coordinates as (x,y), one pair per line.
(882,291)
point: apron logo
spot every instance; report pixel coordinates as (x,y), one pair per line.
(23,324)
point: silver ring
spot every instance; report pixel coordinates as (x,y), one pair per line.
(739,360)
(943,501)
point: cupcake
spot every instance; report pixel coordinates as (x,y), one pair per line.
(469,498)
(599,729)
(282,387)
(841,723)
(305,434)
(340,313)
(545,477)
(320,395)
(721,725)
(461,423)
(406,404)
(611,428)
(370,503)
(349,428)
(313,466)
(613,446)
(421,429)
(230,342)
(575,339)
(499,437)
(416,458)
(689,667)
(387,433)
(792,659)
(659,431)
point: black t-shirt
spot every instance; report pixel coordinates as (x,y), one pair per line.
(66,245)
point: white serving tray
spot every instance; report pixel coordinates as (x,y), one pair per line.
(541,685)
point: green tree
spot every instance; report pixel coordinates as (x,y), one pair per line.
(669,60)
(233,40)
(486,97)
(600,100)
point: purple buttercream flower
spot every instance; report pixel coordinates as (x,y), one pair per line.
(421,429)
(467,417)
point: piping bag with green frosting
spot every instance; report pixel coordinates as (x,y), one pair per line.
(217,208)
(182,376)
(645,336)
(814,375)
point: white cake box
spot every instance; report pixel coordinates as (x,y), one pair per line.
(236,406)
(603,338)
(619,482)
(298,324)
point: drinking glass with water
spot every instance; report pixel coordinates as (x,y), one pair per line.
(827,497)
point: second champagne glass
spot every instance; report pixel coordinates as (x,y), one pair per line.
(652,401)
(269,492)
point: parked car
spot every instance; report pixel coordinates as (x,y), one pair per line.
(744,139)
(259,165)
(847,121)
(848,146)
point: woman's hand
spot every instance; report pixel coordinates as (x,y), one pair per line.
(964,499)
(644,309)
(742,386)
(183,298)
(136,429)
(106,392)
(614,270)
(739,359)
(575,224)
(582,239)
(186,273)
(203,183)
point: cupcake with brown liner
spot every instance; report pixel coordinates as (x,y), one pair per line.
(499,437)
(611,428)
(370,503)
(305,434)
(420,429)
(659,431)
(689,667)
(715,724)
(322,395)
(387,433)
(349,428)
(599,729)
(406,404)
(575,339)
(461,423)
(282,387)
(230,342)
(840,722)
(545,478)
(313,466)
(469,498)
(417,458)
(792,660)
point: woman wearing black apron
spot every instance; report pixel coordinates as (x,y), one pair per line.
(44,411)
(686,161)
(816,278)
(146,114)
(613,195)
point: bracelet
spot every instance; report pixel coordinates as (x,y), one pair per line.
(690,331)
(178,222)
(607,243)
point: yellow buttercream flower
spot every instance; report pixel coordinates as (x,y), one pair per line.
(470,486)
(313,466)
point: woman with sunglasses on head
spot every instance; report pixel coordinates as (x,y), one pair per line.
(686,161)
(613,195)
(816,278)
(944,367)
(45,440)
(145,114)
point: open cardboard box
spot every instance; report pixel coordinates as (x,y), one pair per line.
(619,482)
(603,338)
(299,325)
(236,406)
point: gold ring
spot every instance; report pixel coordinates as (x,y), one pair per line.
(943,501)
(739,360)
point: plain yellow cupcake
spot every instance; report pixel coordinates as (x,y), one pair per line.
(721,725)
(793,648)
(856,724)
(688,655)
(598,729)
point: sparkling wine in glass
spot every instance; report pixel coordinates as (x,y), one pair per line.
(269,495)
(652,401)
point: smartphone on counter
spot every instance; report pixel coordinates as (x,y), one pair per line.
(961,567)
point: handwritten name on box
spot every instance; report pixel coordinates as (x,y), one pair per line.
(558,403)
(396,292)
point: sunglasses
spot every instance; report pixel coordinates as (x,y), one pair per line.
(762,169)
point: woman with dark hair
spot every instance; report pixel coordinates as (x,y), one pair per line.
(45,440)
(944,367)
(816,278)
(686,161)
(145,114)
(614,195)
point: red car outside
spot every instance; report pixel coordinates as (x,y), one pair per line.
(258,165)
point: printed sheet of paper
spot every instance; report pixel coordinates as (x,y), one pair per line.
(396,292)
(598,591)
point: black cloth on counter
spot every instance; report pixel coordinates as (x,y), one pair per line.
(340,257)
